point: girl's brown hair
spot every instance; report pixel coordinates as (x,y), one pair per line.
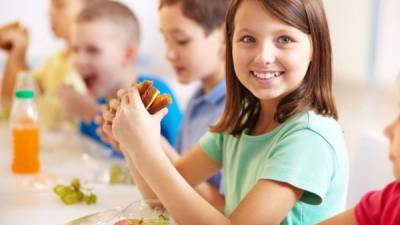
(210,15)
(242,108)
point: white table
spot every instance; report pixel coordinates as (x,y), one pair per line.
(29,199)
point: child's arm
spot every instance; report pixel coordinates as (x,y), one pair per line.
(267,203)
(18,41)
(210,193)
(139,132)
(82,106)
(346,217)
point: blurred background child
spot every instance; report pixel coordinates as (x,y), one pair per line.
(104,43)
(53,71)
(195,47)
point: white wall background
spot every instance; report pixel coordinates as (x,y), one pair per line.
(350,24)
(388,54)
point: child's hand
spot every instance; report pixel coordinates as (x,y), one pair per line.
(82,106)
(104,128)
(14,40)
(105,136)
(133,126)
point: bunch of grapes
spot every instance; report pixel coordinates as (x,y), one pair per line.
(74,193)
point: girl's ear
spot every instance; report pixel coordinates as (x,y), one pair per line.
(131,53)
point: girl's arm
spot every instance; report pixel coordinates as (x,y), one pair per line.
(139,132)
(211,194)
(267,203)
(347,217)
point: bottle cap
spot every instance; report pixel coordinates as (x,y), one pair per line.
(25,94)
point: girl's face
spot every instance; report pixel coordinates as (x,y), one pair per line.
(392,132)
(193,55)
(270,57)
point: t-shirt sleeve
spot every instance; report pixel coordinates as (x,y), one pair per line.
(212,144)
(371,206)
(40,71)
(369,209)
(305,160)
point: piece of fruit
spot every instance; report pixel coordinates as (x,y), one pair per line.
(74,193)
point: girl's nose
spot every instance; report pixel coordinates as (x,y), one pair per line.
(266,54)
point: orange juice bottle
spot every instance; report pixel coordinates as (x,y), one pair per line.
(25,133)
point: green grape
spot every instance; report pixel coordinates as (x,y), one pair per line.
(60,190)
(72,193)
(90,199)
(75,183)
(116,175)
(73,197)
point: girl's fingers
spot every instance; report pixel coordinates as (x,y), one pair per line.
(107,128)
(121,92)
(98,119)
(160,114)
(134,96)
(113,105)
(108,116)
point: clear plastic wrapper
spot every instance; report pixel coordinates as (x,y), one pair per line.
(136,213)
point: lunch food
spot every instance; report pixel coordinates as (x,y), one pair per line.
(75,193)
(11,26)
(151,97)
(160,220)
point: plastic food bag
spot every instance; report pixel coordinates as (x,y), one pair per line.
(136,213)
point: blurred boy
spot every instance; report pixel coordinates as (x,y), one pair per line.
(105,39)
(54,70)
(194,39)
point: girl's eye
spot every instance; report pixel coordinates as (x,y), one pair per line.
(285,40)
(247,39)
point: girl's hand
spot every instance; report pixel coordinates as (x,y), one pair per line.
(105,136)
(106,118)
(133,127)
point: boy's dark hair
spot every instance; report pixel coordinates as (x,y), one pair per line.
(210,15)
(242,108)
(114,12)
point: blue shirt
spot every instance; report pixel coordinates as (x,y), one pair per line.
(169,124)
(202,111)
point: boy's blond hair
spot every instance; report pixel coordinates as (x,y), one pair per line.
(114,12)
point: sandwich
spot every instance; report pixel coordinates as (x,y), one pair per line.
(151,97)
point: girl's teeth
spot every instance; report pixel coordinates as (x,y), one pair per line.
(266,75)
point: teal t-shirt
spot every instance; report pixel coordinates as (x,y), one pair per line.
(307,151)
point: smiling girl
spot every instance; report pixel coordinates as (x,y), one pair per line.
(278,142)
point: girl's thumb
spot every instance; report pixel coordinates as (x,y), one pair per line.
(160,114)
